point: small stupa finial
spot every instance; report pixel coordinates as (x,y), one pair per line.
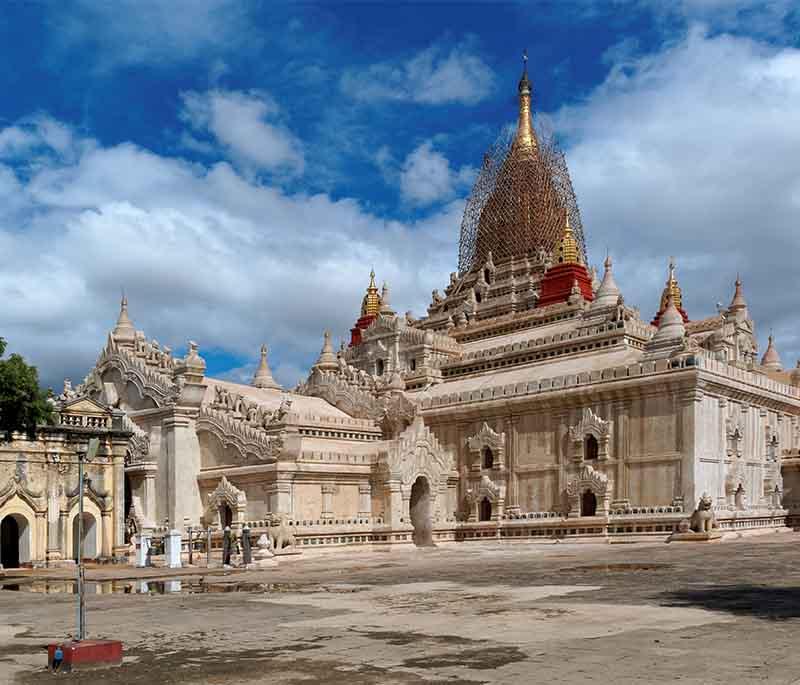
(263,376)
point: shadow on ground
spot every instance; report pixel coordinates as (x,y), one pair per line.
(773,603)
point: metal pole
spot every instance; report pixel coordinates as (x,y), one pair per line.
(81,605)
(208,547)
(90,454)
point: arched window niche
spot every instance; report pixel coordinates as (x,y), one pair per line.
(488,458)
(591,448)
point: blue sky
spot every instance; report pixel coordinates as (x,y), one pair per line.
(239,167)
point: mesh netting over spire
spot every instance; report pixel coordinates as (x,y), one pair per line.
(520,201)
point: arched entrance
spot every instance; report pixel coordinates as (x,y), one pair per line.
(14,541)
(485,513)
(588,503)
(88,546)
(420,511)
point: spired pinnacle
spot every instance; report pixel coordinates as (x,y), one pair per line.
(738,302)
(386,307)
(670,325)
(124,332)
(567,249)
(608,293)
(771,359)
(371,304)
(327,358)
(263,376)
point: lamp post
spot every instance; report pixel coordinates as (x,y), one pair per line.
(91,452)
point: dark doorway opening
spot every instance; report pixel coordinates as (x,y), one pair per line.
(420,511)
(588,503)
(592,449)
(9,542)
(488,458)
(485,510)
(226,516)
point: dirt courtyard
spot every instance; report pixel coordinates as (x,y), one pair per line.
(483,612)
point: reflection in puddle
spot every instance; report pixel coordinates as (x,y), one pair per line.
(145,587)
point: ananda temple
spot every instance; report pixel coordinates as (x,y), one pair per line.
(532,400)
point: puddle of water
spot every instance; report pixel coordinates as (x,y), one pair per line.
(145,587)
(616,568)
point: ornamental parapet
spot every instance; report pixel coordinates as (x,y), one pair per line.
(234,431)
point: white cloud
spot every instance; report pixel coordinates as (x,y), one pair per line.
(434,76)
(247,126)
(132,32)
(202,252)
(427,177)
(693,151)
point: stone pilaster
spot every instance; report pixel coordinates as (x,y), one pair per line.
(183,465)
(364,500)
(395,503)
(328,490)
(512,456)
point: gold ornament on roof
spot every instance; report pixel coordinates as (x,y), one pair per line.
(517,205)
(371,304)
(671,289)
(567,251)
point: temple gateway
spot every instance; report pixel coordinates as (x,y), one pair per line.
(531,401)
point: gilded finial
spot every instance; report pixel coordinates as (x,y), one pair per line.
(671,289)
(525,139)
(371,304)
(567,248)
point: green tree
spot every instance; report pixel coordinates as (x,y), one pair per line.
(23,404)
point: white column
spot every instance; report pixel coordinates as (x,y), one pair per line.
(142,549)
(173,549)
(327,500)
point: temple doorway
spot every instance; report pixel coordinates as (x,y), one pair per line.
(86,547)
(485,513)
(225,516)
(420,510)
(588,503)
(14,541)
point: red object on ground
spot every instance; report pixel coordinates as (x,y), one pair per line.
(86,654)
(557,284)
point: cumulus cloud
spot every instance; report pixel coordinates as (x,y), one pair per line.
(203,252)
(247,125)
(434,76)
(693,152)
(426,177)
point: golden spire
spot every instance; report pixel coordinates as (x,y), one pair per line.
(671,289)
(567,248)
(525,139)
(371,304)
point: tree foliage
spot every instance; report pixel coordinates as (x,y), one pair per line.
(23,404)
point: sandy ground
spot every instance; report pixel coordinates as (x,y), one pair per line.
(467,613)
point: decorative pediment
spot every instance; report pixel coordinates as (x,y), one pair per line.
(16,486)
(84,405)
(589,479)
(485,488)
(236,432)
(227,493)
(416,452)
(590,424)
(486,437)
(102,499)
(151,382)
